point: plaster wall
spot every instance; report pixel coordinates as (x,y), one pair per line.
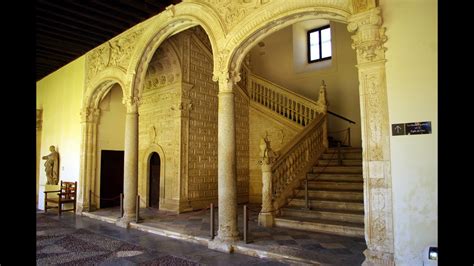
(111,128)
(412,97)
(283,60)
(59,95)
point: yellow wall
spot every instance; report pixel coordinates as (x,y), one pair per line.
(111,127)
(59,95)
(412,96)
(283,60)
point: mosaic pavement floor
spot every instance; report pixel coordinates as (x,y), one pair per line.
(324,248)
(76,240)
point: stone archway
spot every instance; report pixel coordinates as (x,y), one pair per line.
(368,39)
(145,184)
(90,115)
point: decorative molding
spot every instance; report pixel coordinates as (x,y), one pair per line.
(362,5)
(232,12)
(90,115)
(131,103)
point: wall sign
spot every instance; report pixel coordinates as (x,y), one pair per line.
(414,128)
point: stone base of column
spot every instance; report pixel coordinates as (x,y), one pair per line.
(222,246)
(373,258)
(266,219)
(125,221)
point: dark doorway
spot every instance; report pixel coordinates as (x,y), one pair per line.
(154,180)
(111,178)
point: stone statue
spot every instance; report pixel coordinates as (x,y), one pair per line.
(51,166)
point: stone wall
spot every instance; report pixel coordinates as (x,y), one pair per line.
(178,114)
(159,126)
(202,155)
(242,145)
(279,134)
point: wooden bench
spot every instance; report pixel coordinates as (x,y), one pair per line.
(67,194)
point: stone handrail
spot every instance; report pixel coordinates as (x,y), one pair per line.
(282,101)
(296,158)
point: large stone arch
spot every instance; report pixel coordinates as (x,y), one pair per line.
(172,21)
(100,85)
(365,21)
(96,90)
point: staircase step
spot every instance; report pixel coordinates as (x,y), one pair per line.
(318,203)
(325,214)
(345,155)
(338,169)
(336,177)
(347,162)
(333,194)
(321,226)
(335,185)
(345,150)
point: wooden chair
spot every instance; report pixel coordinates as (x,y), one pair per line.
(67,194)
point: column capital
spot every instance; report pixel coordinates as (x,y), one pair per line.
(90,115)
(369,36)
(131,103)
(227,80)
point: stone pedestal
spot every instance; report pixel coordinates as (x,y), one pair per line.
(42,189)
(266,219)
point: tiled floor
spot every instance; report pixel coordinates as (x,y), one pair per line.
(307,246)
(78,240)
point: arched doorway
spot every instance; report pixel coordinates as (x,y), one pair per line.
(154,177)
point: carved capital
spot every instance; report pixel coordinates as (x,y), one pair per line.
(131,103)
(39,118)
(227,80)
(369,36)
(90,115)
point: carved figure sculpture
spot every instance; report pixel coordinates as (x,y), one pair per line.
(51,166)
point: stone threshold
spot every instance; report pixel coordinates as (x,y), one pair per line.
(239,247)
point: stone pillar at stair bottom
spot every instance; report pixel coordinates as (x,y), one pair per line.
(266,216)
(227,233)
(130,165)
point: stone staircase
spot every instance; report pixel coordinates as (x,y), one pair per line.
(335,196)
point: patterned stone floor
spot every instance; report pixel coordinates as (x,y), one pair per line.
(78,240)
(316,247)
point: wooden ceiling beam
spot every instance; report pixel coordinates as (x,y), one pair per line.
(80,15)
(74,21)
(87,41)
(126,12)
(70,30)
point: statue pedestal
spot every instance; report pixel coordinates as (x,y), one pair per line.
(42,189)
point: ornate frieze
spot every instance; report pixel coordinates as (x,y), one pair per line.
(232,12)
(116,52)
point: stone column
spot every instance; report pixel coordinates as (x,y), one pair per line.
(130,184)
(368,40)
(227,179)
(266,216)
(89,119)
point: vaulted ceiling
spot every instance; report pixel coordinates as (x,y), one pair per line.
(67,29)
